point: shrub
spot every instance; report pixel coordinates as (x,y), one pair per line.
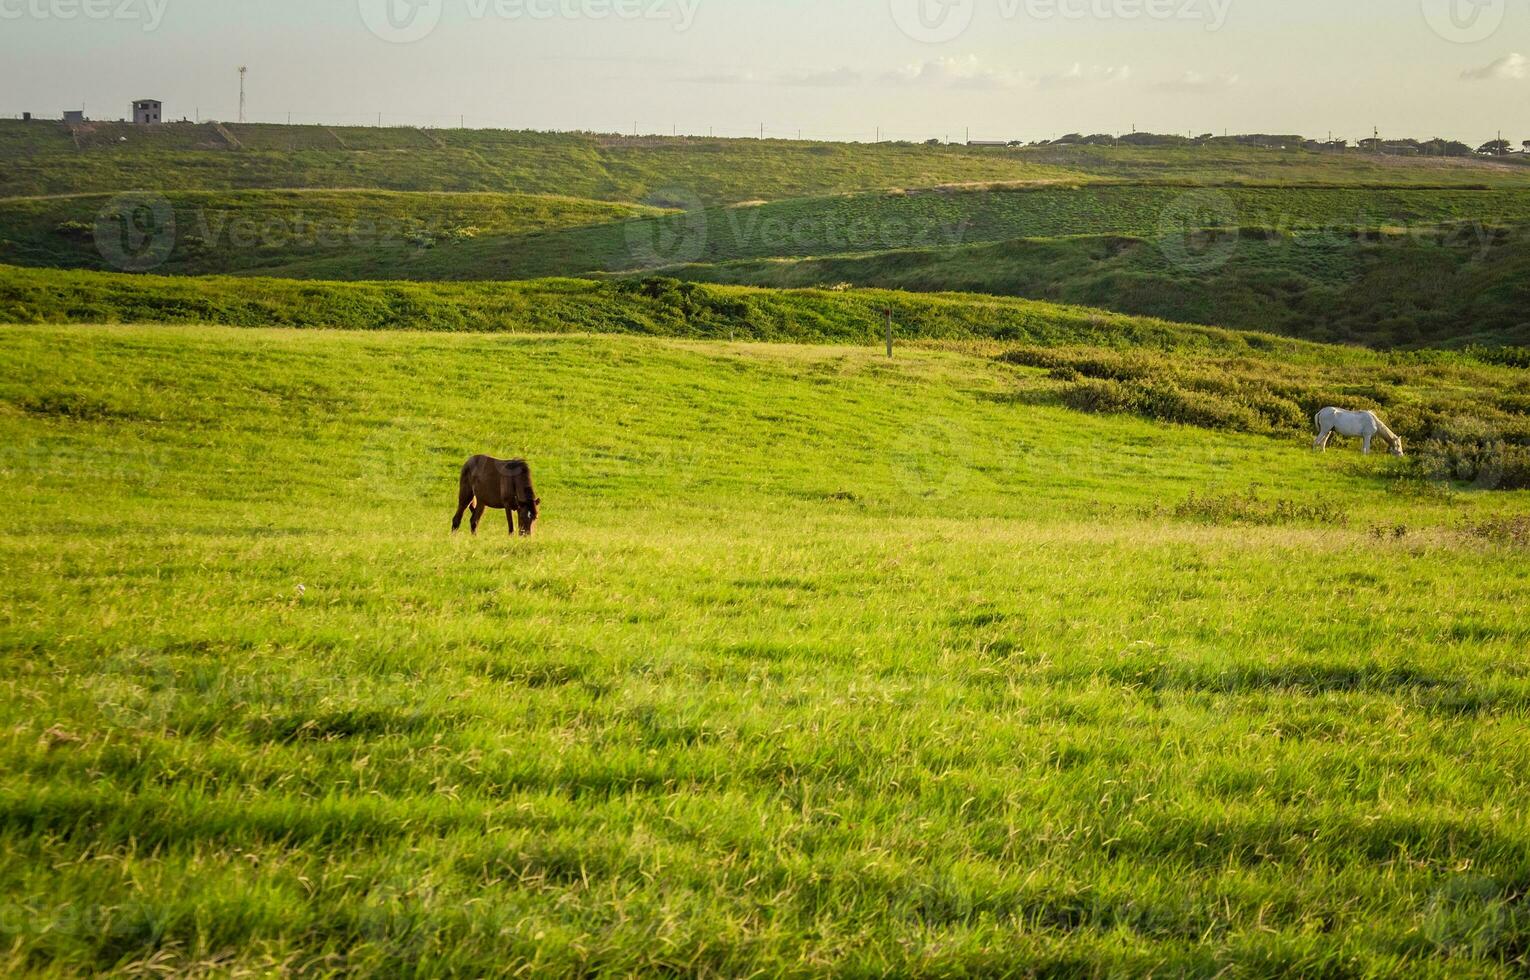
(1162,401)
(1475,452)
(1250,508)
(1513,531)
(77,230)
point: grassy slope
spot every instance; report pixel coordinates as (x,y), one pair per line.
(650,170)
(874,222)
(1421,289)
(1200,375)
(41,158)
(1214,163)
(822,662)
(577,305)
(242,230)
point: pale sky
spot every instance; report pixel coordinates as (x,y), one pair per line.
(1012,69)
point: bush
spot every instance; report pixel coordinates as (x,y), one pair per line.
(1513,531)
(77,230)
(1161,401)
(1473,451)
(1250,508)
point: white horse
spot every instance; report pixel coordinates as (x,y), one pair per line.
(1365,425)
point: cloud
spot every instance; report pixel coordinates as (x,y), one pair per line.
(726,78)
(966,72)
(1079,76)
(972,73)
(955,73)
(836,78)
(1194,81)
(1509,68)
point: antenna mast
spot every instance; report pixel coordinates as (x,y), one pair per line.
(242,70)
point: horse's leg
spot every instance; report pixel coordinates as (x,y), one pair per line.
(1367,447)
(478,510)
(510,516)
(464,501)
(1322,440)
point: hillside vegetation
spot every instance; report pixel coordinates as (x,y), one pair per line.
(1332,246)
(227,231)
(43,158)
(822,663)
(1471,419)
(48,158)
(879,222)
(1424,287)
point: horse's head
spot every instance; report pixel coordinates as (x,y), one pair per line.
(1397,448)
(528,511)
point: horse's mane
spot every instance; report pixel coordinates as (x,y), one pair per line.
(1385,432)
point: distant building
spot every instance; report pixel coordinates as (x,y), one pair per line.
(74,115)
(987,142)
(146,111)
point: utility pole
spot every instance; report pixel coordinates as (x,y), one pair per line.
(243,70)
(889,332)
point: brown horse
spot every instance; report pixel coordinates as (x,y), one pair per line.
(501,484)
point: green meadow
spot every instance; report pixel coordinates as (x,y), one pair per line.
(1046,647)
(820,663)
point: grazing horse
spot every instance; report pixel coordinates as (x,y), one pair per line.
(500,484)
(1362,424)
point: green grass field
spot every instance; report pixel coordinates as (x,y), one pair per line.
(821,663)
(1047,647)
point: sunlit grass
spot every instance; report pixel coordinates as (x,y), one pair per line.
(823,663)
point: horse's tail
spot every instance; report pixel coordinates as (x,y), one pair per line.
(466,495)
